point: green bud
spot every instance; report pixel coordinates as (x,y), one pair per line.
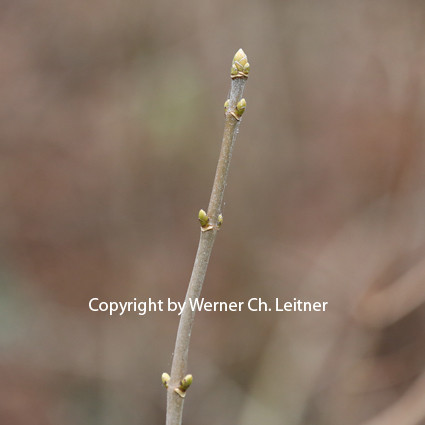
(165,379)
(240,60)
(203,218)
(226,104)
(186,382)
(220,220)
(240,107)
(240,65)
(184,385)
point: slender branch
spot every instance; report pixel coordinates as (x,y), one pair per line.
(210,223)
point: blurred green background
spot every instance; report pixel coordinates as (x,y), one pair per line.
(110,126)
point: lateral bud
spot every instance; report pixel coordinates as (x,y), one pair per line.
(226,104)
(186,382)
(184,385)
(220,220)
(240,107)
(165,379)
(204,220)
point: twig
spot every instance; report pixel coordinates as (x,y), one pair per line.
(178,383)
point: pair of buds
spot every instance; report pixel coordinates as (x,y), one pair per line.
(182,388)
(240,108)
(205,220)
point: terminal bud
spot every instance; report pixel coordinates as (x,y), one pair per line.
(240,65)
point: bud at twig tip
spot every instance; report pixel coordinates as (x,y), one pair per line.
(240,66)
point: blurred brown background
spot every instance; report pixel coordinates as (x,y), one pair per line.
(111,121)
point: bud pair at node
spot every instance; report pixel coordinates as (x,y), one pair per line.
(240,108)
(184,384)
(205,220)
